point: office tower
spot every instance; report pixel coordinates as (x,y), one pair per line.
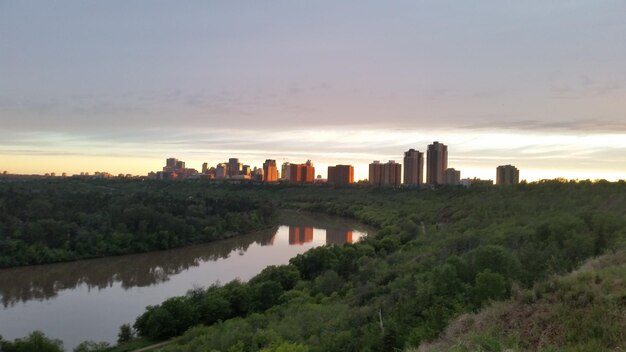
(302,173)
(308,172)
(392,174)
(452,177)
(234,167)
(413,167)
(171,162)
(180,165)
(270,172)
(376,173)
(246,170)
(205,168)
(437,160)
(295,171)
(221,171)
(340,175)
(507,175)
(285,171)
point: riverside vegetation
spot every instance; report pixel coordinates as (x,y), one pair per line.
(428,279)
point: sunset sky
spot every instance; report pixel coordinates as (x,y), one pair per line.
(119,86)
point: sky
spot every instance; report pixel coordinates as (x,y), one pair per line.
(119,86)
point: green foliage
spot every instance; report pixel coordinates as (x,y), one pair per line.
(437,254)
(91,346)
(125,334)
(35,342)
(51,221)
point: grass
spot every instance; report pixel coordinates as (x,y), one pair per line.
(582,311)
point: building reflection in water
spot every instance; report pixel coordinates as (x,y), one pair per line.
(43,282)
(338,236)
(300,235)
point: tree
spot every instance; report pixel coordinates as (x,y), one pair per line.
(125,334)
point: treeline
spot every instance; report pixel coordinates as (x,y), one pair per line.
(50,221)
(437,255)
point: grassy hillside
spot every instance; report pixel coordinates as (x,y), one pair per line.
(581,311)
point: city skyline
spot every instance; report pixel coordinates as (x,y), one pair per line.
(119,86)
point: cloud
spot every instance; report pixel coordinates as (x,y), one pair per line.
(575,126)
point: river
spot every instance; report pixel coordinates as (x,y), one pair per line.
(90,299)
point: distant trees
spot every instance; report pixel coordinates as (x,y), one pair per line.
(43,222)
(35,342)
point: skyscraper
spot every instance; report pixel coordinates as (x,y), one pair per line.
(340,175)
(270,172)
(234,167)
(308,173)
(437,160)
(413,167)
(376,173)
(507,175)
(302,173)
(171,163)
(392,174)
(285,171)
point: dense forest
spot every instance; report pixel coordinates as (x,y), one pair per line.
(44,221)
(438,257)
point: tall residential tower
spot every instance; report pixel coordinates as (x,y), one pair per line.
(413,167)
(437,160)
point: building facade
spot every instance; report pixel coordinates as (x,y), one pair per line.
(302,173)
(392,174)
(270,172)
(413,168)
(340,175)
(437,162)
(452,177)
(375,173)
(507,175)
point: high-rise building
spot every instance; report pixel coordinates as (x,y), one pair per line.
(270,172)
(392,174)
(302,173)
(295,171)
(221,171)
(171,163)
(413,167)
(437,161)
(308,173)
(205,168)
(452,177)
(246,170)
(507,175)
(180,165)
(340,175)
(234,167)
(285,171)
(376,173)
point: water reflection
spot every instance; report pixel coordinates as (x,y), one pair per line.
(43,282)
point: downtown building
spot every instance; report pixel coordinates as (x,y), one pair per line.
(302,173)
(340,175)
(507,175)
(413,168)
(388,174)
(452,177)
(437,163)
(270,171)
